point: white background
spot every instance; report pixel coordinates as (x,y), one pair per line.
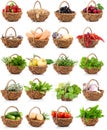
(75,51)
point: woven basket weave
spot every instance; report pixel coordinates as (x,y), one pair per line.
(91,16)
(89,122)
(63,43)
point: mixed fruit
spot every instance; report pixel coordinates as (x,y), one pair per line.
(65,9)
(12,7)
(14,115)
(12,37)
(65,114)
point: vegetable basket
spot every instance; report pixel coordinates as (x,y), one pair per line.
(63,43)
(83,41)
(34,14)
(92,17)
(90,122)
(64,17)
(38,43)
(37,69)
(93,95)
(62,69)
(11,41)
(32,122)
(10,122)
(35,94)
(62,122)
(11,95)
(11,16)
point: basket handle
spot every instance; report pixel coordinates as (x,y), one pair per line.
(91,55)
(14,55)
(62,54)
(95,81)
(34,57)
(9,83)
(39,28)
(34,108)
(11,1)
(36,79)
(36,3)
(86,29)
(64,2)
(12,29)
(92,1)
(9,108)
(64,29)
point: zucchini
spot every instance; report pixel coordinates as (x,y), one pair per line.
(10,117)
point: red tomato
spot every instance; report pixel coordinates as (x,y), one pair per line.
(53,113)
(60,115)
(19,10)
(67,115)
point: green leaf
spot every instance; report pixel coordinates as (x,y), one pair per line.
(49,61)
(100,6)
(26,88)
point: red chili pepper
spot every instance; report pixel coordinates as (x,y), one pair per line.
(98,37)
(79,36)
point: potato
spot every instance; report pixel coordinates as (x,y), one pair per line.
(39,117)
(32,115)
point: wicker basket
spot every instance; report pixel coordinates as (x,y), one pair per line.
(62,122)
(63,43)
(11,41)
(32,14)
(92,70)
(35,94)
(90,16)
(37,69)
(34,122)
(83,42)
(38,43)
(65,99)
(10,16)
(62,69)
(64,17)
(89,122)
(11,95)
(10,122)
(92,95)
(14,69)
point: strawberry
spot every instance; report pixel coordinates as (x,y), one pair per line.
(94,11)
(98,11)
(19,10)
(14,10)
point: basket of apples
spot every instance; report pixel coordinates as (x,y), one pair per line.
(89,39)
(62,119)
(12,12)
(37,65)
(62,41)
(91,90)
(11,41)
(92,13)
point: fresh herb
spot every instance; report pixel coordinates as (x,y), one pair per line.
(14,87)
(46,116)
(49,61)
(15,61)
(90,63)
(99,6)
(67,90)
(92,112)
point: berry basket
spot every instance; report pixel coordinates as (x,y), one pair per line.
(63,43)
(92,42)
(35,94)
(65,17)
(12,16)
(35,122)
(38,15)
(62,122)
(92,17)
(11,41)
(11,95)
(10,122)
(38,43)
(92,95)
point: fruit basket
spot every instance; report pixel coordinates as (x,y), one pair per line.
(38,15)
(65,14)
(11,41)
(92,13)
(14,63)
(12,12)
(91,65)
(63,64)
(37,90)
(89,39)
(12,91)
(12,119)
(37,65)
(90,115)
(62,119)
(62,41)
(67,92)
(38,40)
(35,119)
(92,91)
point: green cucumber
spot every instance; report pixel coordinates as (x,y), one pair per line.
(17,118)
(10,117)
(15,113)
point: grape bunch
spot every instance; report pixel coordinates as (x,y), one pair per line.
(65,9)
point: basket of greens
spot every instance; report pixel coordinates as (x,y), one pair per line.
(37,90)
(91,65)
(90,115)
(13,118)
(12,91)
(14,63)
(67,92)
(63,65)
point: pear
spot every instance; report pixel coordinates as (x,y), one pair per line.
(33,62)
(42,62)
